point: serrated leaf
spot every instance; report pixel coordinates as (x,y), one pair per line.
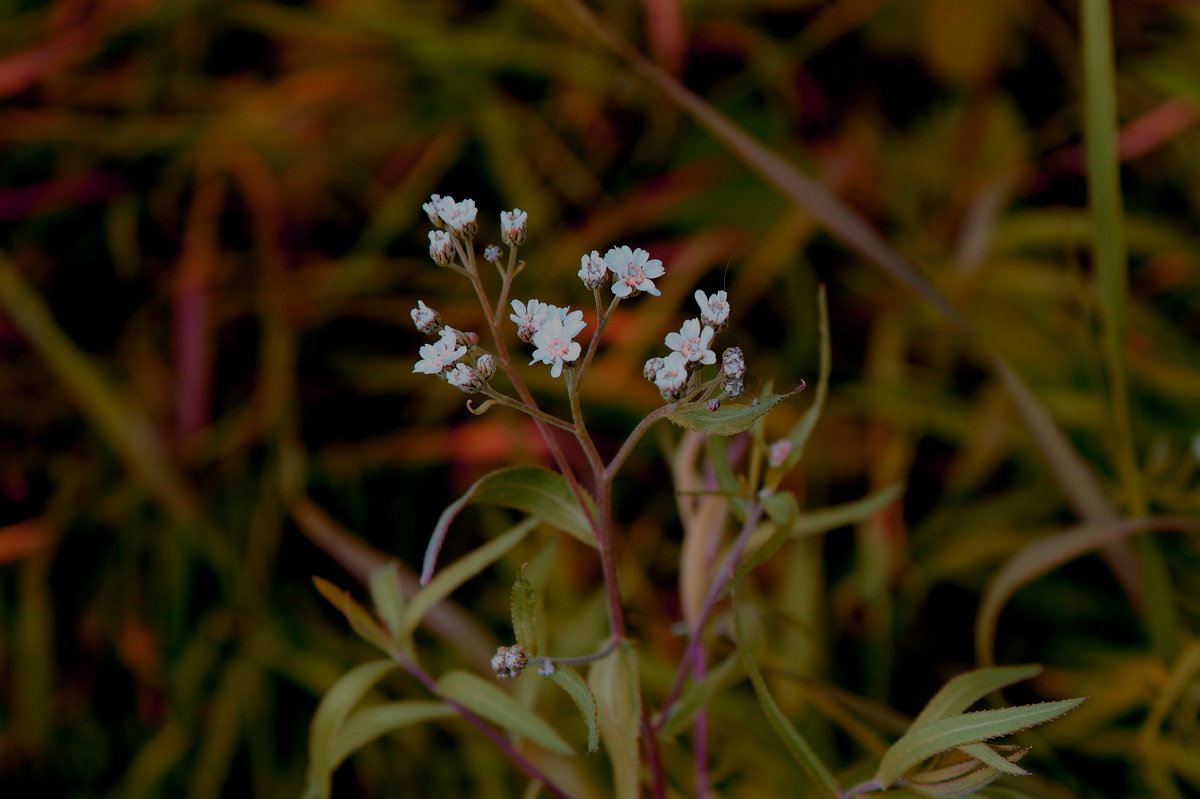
(524,613)
(990,757)
(488,701)
(368,723)
(929,739)
(388,596)
(727,420)
(570,681)
(458,573)
(530,489)
(361,621)
(960,693)
(965,781)
(799,748)
(329,718)
(614,682)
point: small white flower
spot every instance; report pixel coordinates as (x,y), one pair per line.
(733,363)
(714,310)
(458,216)
(441,248)
(555,340)
(513,226)
(464,377)
(486,366)
(672,377)
(437,356)
(592,270)
(528,317)
(692,343)
(651,368)
(425,318)
(634,271)
(431,210)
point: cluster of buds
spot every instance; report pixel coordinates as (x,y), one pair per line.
(509,661)
(457,218)
(444,357)
(690,350)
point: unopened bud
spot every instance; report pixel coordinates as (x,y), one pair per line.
(426,319)
(733,364)
(513,226)
(714,404)
(652,367)
(486,366)
(593,271)
(431,210)
(492,253)
(465,378)
(441,247)
(733,388)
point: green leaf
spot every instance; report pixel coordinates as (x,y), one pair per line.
(816,770)
(990,757)
(570,681)
(488,701)
(1049,553)
(695,697)
(815,523)
(800,433)
(361,621)
(938,736)
(614,682)
(530,489)
(524,613)
(960,693)
(462,570)
(386,593)
(368,723)
(329,718)
(727,420)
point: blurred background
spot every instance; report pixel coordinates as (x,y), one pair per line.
(210,239)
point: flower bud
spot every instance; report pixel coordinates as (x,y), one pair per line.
(492,254)
(714,405)
(513,226)
(431,210)
(485,365)
(652,367)
(733,388)
(426,319)
(515,659)
(441,248)
(465,378)
(779,451)
(593,271)
(733,364)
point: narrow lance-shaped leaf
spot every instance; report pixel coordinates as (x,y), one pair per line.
(524,613)
(530,489)
(488,701)
(366,724)
(361,621)
(462,570)
(938,736)
(614,682)
(570,681)
(974,778)
(816,770)
(331,713)
(965,690)
(388,596)
(727,420)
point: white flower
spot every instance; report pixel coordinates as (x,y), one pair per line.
(592,270)
(458,216)
(714,310)
(555,340)
(633,271)
(528,317)
(672,377)
(513,226)
(437,356)
(441,248)
(425,318)
(692,343)
(465,378)
(431,210)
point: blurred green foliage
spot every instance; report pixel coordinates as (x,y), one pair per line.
(210,237)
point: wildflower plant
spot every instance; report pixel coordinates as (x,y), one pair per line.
(946,751)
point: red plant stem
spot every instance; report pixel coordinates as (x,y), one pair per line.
(694,651)
(502,743)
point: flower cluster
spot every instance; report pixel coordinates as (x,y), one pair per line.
(674,375)
(509,661)
(443,357)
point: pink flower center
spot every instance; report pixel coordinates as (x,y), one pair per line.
(633,276)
